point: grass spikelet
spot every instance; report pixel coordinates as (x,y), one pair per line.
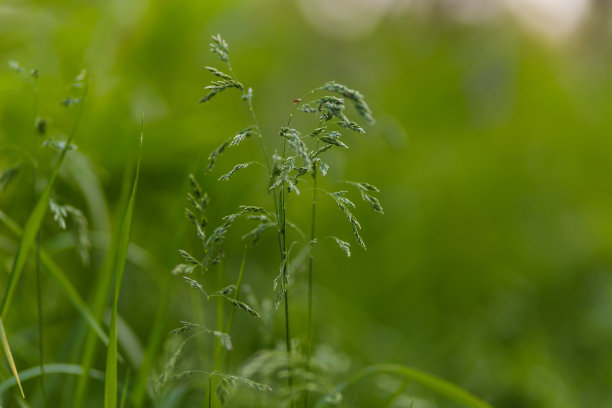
(60,215)
(216,87)
(233,171)
(183,269)
(296,143)
(279,286)
(345,246)
(214,155)
(195,284)
(320,150)
(219,46)
(243,134)
(227,290)
(219,74)
(189,258)
(14,65)
(243,306)
(355,96)
(365,189)
(195,186)
(224,339)
(323,167)
(8,175)
(252,209)
(333,138)
(331,107)
(365,186)
(358,237)
(352,126)
(185,327)
(244,381)
(374,202)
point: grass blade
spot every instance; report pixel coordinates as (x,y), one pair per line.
(110,383)
(125,390)
(102,289)
(9,356)
(62,280)
(33,224)
(436,384)
(55,368)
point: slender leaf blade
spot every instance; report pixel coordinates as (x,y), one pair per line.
(110,383)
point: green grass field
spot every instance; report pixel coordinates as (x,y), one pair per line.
(187,228)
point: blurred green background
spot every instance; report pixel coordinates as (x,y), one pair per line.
(492,264)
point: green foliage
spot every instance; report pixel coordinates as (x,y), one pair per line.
(494,239)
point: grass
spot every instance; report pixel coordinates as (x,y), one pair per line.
(119,253)
(285,172)
(199,368)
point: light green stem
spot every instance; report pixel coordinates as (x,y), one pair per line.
(310,272)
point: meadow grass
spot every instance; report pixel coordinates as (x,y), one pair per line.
(284,376)
(302,154)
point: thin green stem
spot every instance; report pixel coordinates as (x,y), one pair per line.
(310,273)
(219,355)
(220,303)
(283,230)
(281,217)
(39,295)
(41,325)
(210,365)
(247,97)
(125,390)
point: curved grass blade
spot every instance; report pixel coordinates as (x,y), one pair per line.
(54,368)
(110,383)
(34,221)
(436,384)
(9,356)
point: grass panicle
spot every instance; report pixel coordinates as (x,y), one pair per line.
(287,171)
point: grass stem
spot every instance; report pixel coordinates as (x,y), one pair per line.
(41,325)
(310,273)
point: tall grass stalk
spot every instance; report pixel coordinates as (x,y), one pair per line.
(220,45)
(110,383)
(313,238)
(286,171)
(39,286)
(101,293)
(41,322)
